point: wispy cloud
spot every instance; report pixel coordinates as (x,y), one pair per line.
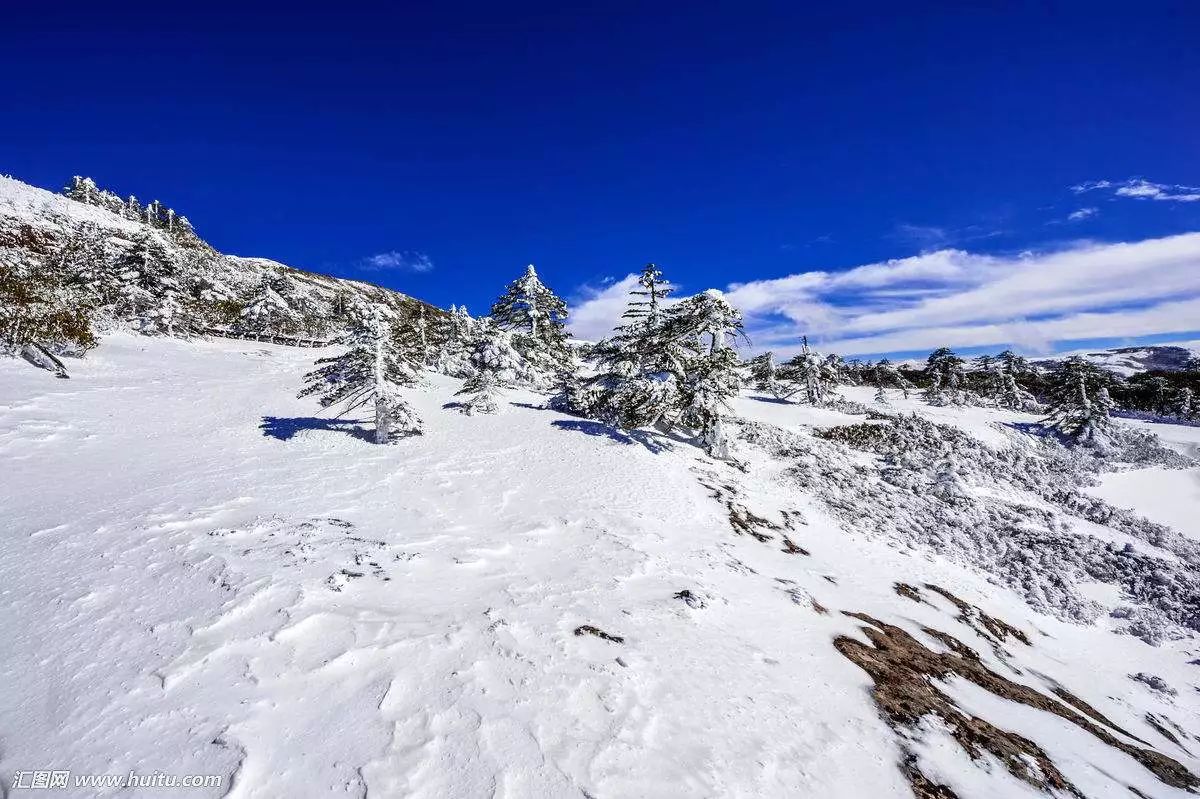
(1082,214)
(952,297)
(1140,189)
(929,237)
(398,261)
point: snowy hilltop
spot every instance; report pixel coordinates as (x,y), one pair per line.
(309,537)
(88,261)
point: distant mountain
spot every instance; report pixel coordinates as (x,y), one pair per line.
(1127,361)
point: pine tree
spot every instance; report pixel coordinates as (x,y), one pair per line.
(536,317)
(710,378)
(1184,406)
(147,277)
(763,374)
(41,314)
(947,376)
(268,311)
(639,368)
(494,362)
(1079,406)
(811,374)
(885,374)
(1012,395)
(370,372)
(1156,395)
(652,293)
(671,366)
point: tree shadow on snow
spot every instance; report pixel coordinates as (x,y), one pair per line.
(285,428)
(651,441)
(772,400)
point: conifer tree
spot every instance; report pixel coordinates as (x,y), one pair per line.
(639,368)
(946,375)
(1156,395)
(885,375)
(267,311)
(710,376)
(1185,404)
(536,317)
(763,373)
(665,367)
(495,362)
(40,313)
(1079,404)
(370,372)
(814,376)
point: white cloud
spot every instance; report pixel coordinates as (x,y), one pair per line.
(396,260)
(1081,214)
(1140,189)
(962,299)
(597,310)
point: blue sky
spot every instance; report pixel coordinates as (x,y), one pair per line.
(438,149)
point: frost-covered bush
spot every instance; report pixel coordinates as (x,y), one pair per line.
(922,493)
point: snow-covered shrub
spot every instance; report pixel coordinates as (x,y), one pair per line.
(923,493)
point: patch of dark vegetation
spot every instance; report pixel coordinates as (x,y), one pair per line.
(997,630)
(792,548)
(746,522)
(587,629)
(906,675)
(1158,726)
(922,786)
(1091,712)
(690,599)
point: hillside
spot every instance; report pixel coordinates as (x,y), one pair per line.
(203,574)
(148,270)
(1127,361)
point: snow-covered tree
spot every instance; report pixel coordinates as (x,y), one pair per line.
(267,311)
(41,314)
(371,371)
(710,377)
(1079,404)
(639,368)
(884,374)
(1012,395)
(1184,405)
(536,317)
(947,377)
(454,335)
(495,362)
(646,301)
(665,366)
(813,375)
(764,373)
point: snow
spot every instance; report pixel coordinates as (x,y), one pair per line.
(35,206)
(203,574)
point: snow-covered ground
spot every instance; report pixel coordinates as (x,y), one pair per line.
(200,574)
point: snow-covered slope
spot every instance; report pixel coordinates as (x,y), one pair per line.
(77,239)
(201,575)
